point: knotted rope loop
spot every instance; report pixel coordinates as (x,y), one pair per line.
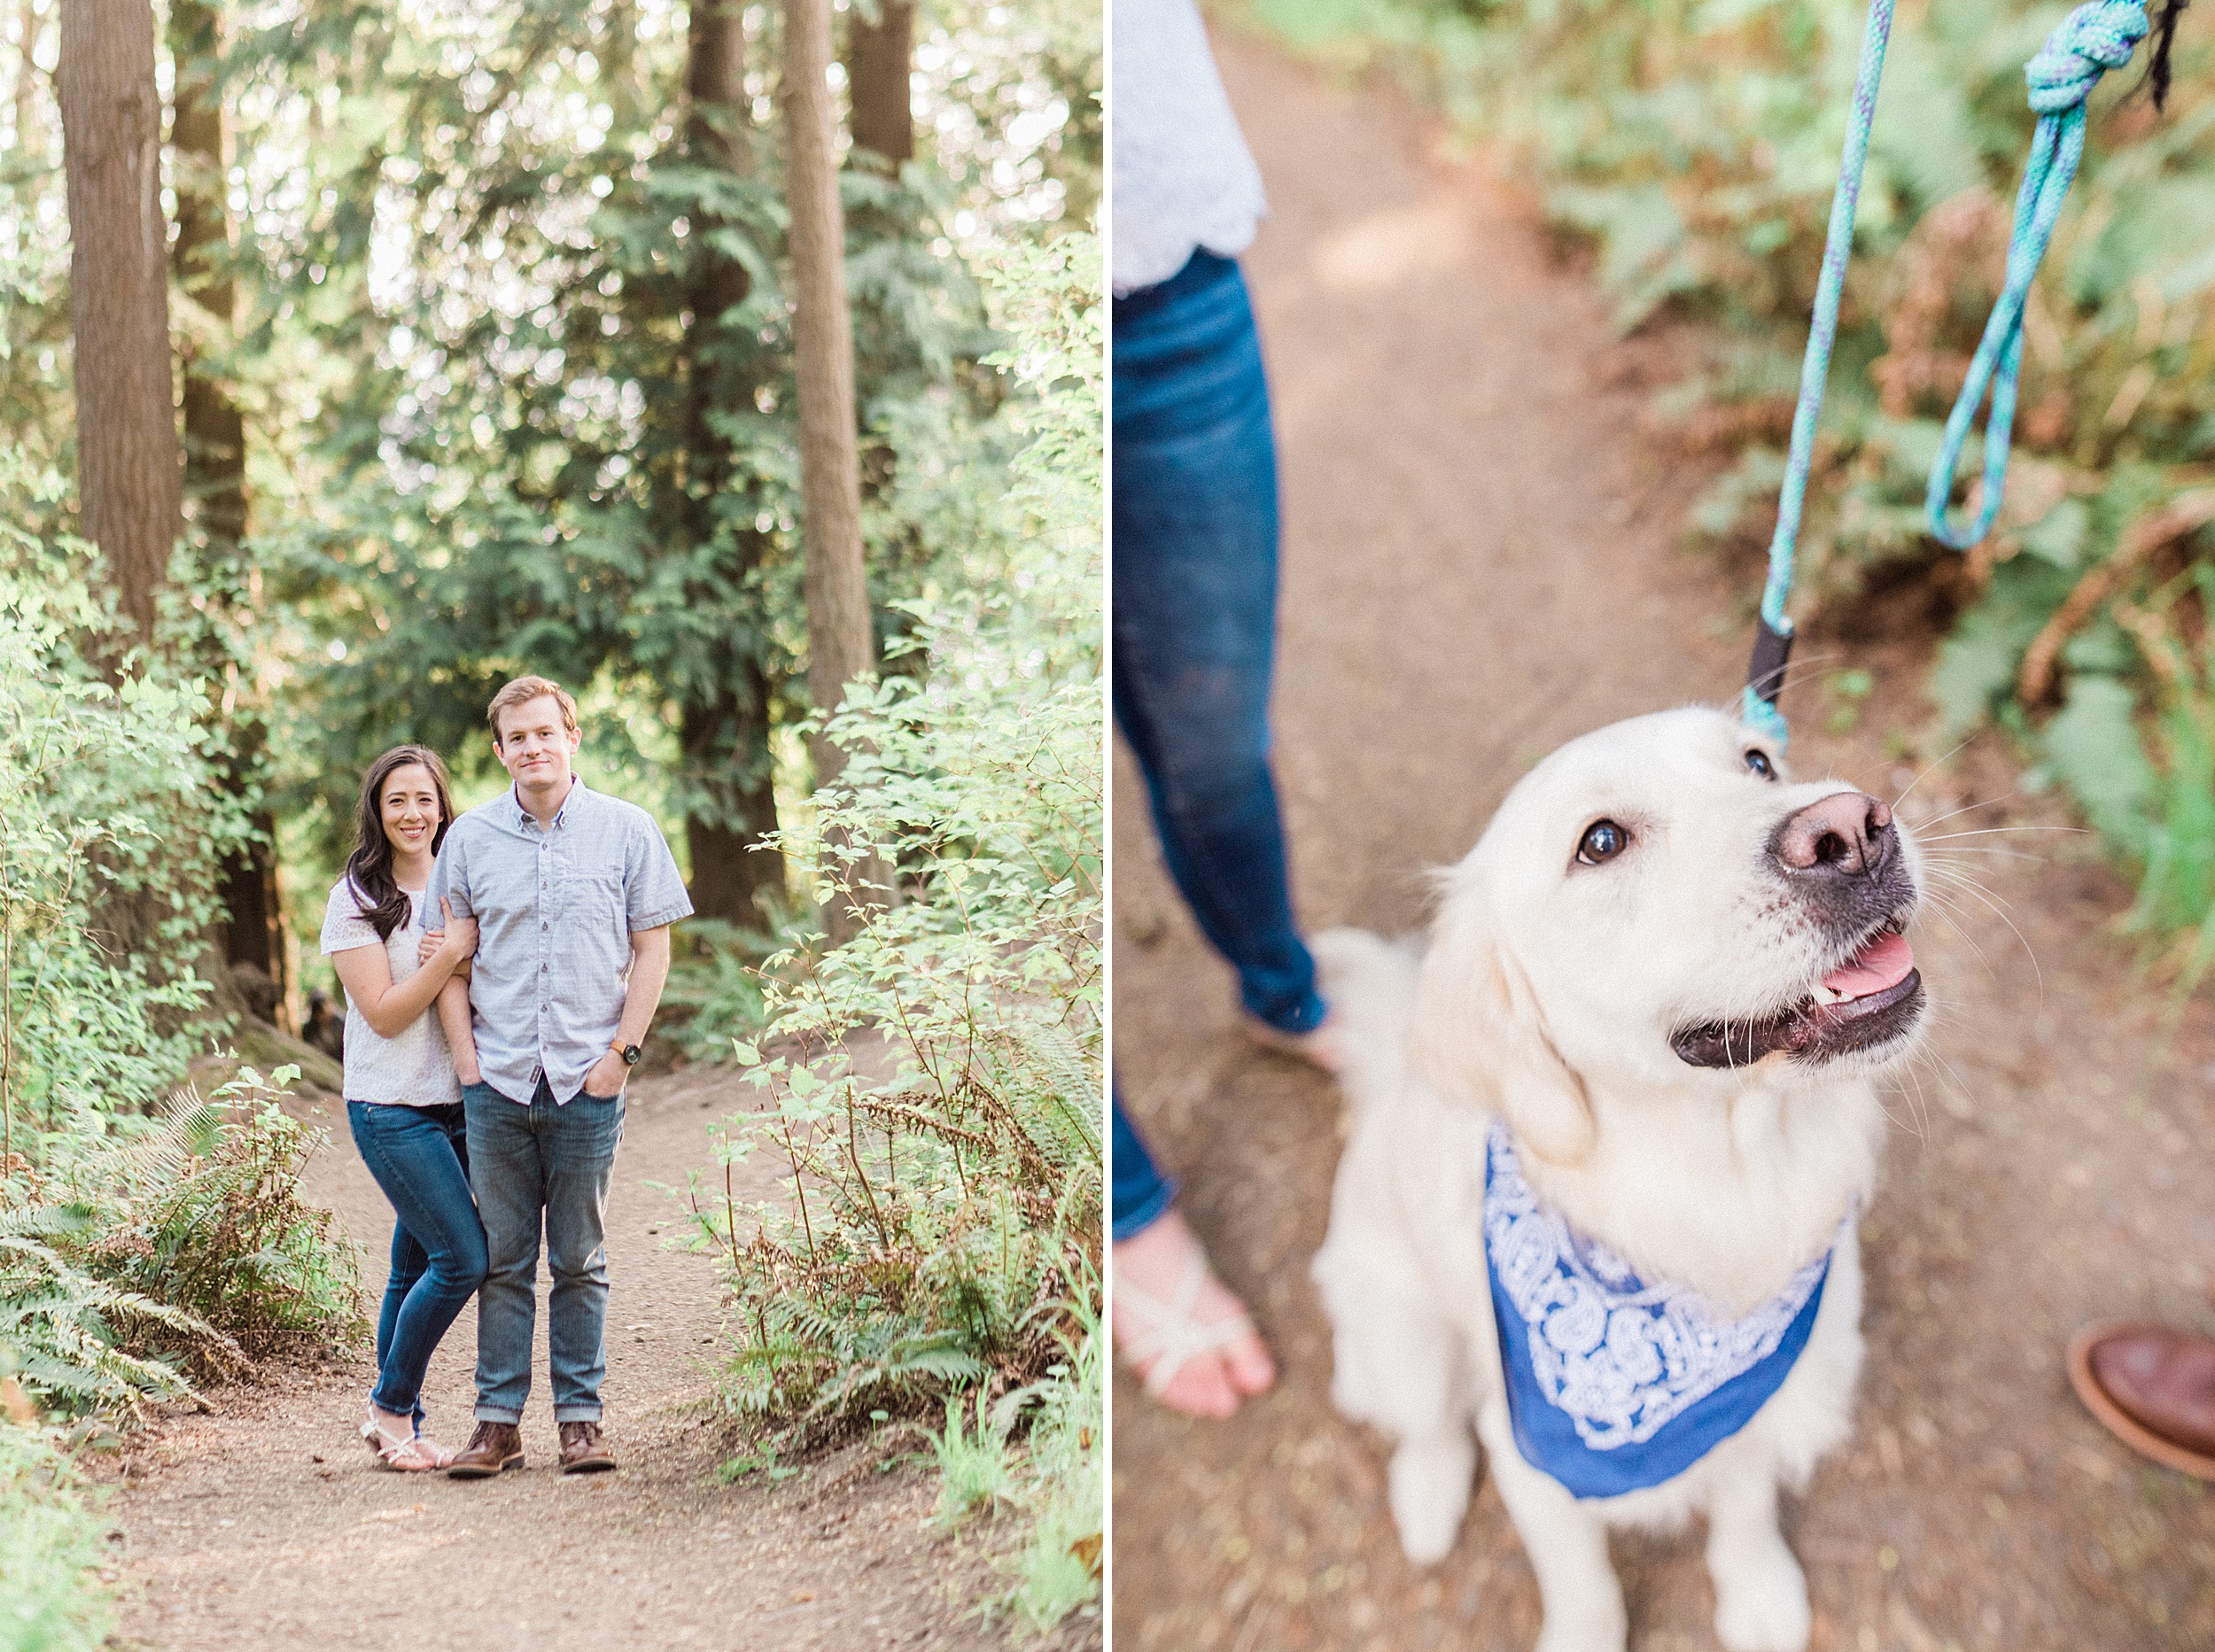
(2091,39)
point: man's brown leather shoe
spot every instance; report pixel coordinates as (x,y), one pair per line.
(494,1446)
(2154,1387)
(583,1451)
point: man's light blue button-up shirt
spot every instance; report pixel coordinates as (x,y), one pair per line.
(555,909)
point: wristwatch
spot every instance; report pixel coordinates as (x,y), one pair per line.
(629,1052)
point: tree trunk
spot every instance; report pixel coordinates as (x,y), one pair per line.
(839,641)
(724,734)
(839,644)
(252,929)
(725,745)
(128,475)
(877,80)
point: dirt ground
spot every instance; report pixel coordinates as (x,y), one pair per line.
(1481,561)
(269,1527)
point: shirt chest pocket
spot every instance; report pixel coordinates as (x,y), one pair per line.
(586,901)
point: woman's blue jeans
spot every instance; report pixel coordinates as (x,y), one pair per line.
(420,1158)
(1194,632)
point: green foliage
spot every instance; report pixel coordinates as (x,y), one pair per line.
(1694,144)
(50,1542)
(105,808)
(1055,1477)
(208,1216)
(175,1249)
(932,1086)
(973,1468)
(715,990)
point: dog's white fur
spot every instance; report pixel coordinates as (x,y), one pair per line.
(1547,996)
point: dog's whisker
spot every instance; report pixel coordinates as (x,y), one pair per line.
(2037,974)
(1958,878)
(1947,837)
(1989,802)
(1987,849)
(1928,771)
(1961,928)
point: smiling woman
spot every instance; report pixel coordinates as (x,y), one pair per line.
(403,1103)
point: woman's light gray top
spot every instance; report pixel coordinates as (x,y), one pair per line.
(1183,177)
(412,1069)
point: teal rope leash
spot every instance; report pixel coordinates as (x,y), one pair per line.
(2091,39)
(1773,640)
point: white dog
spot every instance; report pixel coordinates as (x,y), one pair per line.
(1611,1135)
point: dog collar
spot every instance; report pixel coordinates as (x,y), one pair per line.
(1614,1384)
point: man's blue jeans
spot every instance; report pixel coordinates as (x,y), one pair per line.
(547,1165)
(420,1158)
(1194,632)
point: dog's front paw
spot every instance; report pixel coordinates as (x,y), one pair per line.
(1430,1492)
(1761,1600)
(1602,1627)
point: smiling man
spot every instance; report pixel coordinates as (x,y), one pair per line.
(574,892)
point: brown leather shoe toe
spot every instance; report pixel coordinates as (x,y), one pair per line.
(2154,1387)
(493,1448)
(583,1450)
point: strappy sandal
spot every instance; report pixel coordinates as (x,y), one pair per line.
(415,1454)
(1173,1337)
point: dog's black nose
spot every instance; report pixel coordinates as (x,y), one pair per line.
(1847,834)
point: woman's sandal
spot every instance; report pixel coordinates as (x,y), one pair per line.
(415,1454)
(1173,1337)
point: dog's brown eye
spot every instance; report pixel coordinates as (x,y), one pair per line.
(1758,760)
(1604,839)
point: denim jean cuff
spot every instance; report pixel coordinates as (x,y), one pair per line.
(577,1413)
(1305,1017)
(1129,1224)
(496,1413)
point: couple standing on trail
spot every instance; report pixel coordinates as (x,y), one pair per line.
(499,1112)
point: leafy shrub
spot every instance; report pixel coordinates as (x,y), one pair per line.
(179,1252)
(103,804)
(933,1083)
(207,1217)
(1694,146)
(49,1540)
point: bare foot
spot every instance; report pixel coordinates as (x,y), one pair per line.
(1323,1045)
(1180,1329)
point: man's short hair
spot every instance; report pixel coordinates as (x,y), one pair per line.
(525,689)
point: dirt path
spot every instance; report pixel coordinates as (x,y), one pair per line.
(1478,564)
(269,1527)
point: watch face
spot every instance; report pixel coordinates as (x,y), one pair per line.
(631,1053)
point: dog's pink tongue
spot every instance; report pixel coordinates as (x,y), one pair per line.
(1885,963)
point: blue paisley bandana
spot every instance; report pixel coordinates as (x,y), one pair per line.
(1614,1384)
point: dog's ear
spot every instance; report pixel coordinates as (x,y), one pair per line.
(1481,1038)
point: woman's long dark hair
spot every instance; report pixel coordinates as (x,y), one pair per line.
(378,896)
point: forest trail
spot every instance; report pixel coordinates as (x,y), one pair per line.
(269,1528)
(1480,560)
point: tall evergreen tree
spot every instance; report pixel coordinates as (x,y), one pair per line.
(840,645)
(724,731)
(880,53)
(216,479)
(129,479)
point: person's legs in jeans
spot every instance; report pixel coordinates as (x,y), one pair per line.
(419,1158)
(1194,619)
(408,1262)
(1140,1193)
(508,1172)
(1158,1264)
(580,1139)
